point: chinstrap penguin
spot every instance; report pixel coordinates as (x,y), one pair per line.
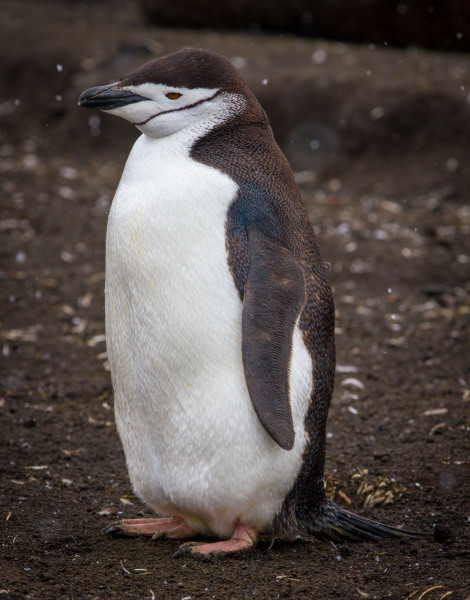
(219,316)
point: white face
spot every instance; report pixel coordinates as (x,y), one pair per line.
(167,110)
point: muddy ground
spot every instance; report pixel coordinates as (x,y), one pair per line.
(396,234)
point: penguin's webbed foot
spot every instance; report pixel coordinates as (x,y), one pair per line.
(243,538)
(170,527)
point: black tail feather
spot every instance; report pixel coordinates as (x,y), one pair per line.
(338,524)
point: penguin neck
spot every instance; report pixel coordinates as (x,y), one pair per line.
(152,158)
(179,143)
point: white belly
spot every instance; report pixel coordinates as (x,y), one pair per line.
(193,443)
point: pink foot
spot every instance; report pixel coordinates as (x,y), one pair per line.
(243,538)
(170,527)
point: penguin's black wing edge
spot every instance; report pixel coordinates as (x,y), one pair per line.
(274,296)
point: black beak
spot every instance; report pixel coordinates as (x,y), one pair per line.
(106,97)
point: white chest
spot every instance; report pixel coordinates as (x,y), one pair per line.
(168,209)
(169,293)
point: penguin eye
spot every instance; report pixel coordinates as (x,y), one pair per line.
(173,95)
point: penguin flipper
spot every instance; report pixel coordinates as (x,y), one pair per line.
(274,296)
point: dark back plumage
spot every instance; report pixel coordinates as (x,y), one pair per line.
(269,200)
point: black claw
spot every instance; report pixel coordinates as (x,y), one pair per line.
(208,557)
(115,530)
(182,551)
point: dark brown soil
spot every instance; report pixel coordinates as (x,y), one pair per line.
(398,447)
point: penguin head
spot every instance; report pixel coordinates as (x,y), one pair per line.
(190,89)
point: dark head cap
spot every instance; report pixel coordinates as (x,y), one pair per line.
(175,92)
(190,68)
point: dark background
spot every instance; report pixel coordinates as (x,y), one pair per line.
(375,122)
